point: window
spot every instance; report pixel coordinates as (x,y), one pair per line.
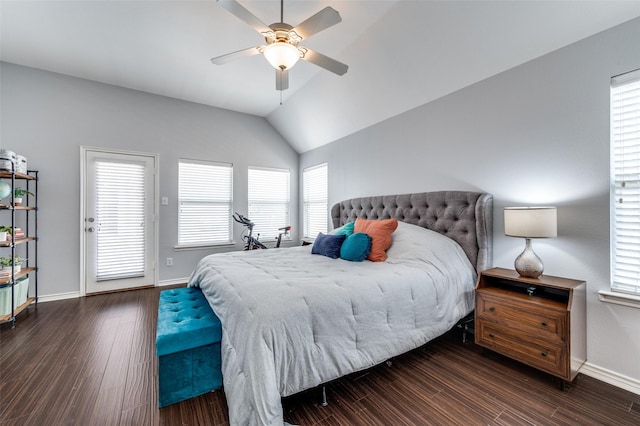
(120,244)
(205,201)
(315,189)
(625,183)
(269,191)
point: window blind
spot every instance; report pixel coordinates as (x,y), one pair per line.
(625,188)
(268,201)
(205,202)
(120,217)
(315,190)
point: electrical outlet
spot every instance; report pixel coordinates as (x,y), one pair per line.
(169,261)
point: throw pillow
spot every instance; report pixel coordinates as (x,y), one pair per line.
(346,229)
(380,232)
(356,247)
(328,245)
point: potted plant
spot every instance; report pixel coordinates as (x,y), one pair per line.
(6,263)
(18,193)
(4,231)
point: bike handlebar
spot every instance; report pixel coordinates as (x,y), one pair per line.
(241,219)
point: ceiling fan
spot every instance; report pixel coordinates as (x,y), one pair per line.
(282,49)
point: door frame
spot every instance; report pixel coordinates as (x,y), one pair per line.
(83,186)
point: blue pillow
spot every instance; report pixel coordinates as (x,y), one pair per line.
(346,229)
(356,247)
(328,245)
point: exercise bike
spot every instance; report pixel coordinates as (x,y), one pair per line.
(284,231)
(253,243)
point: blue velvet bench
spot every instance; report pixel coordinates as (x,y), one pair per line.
(188,346)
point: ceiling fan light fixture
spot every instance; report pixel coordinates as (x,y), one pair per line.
(281,55)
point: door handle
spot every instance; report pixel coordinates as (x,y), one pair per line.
(90,229)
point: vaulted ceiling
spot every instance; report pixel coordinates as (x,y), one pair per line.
(401,54)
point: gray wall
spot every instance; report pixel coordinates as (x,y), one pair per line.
(47,117)
(536,134)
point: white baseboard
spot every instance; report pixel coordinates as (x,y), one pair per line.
(59,296)
(76,294)
(611,377)
(174,281)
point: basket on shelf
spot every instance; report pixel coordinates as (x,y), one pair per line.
(20,294)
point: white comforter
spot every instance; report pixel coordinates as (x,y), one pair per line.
(292,320)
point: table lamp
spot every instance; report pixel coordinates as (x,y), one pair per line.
(527,223)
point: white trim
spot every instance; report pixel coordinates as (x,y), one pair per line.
(173,281)
(270,169)
(611,377)
(205,246)
(619,298)
(76,294)
(155,215)
(59,296)
(317,166)
(205,162)
(624,78)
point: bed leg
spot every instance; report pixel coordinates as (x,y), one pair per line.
(324,402)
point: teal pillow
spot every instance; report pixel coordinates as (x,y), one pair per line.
(356,247)
(346,229)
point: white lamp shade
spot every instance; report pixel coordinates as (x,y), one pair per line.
(530,222)
(281,55)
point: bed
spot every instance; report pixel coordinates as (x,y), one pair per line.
(293,320)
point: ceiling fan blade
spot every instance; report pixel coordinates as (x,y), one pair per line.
(282,79)
(325,62)
(219,60)
(322,20)
(240,12)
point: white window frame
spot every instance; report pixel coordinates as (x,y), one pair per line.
(216,197)
(315,194)
(268,201)
(625,191)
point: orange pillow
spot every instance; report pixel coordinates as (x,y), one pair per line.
(380,232)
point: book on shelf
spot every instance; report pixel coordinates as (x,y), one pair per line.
(17,234)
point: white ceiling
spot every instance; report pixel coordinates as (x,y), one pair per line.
(401,54)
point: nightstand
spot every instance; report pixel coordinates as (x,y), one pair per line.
(540,322)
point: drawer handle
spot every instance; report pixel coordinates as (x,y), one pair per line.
(543,354)
(491,309)
(490,334)
(544,323)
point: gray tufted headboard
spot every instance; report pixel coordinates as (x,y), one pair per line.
(465,217)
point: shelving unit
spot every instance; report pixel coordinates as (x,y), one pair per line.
(24,215)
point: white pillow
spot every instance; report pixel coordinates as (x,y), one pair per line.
(413,242)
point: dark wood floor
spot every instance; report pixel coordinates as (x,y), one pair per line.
(91,361)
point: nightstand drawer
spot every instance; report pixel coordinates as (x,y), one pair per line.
(539,320)
(537,353)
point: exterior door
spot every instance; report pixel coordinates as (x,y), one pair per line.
(119,231)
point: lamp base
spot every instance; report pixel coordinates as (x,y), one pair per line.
(528,264)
